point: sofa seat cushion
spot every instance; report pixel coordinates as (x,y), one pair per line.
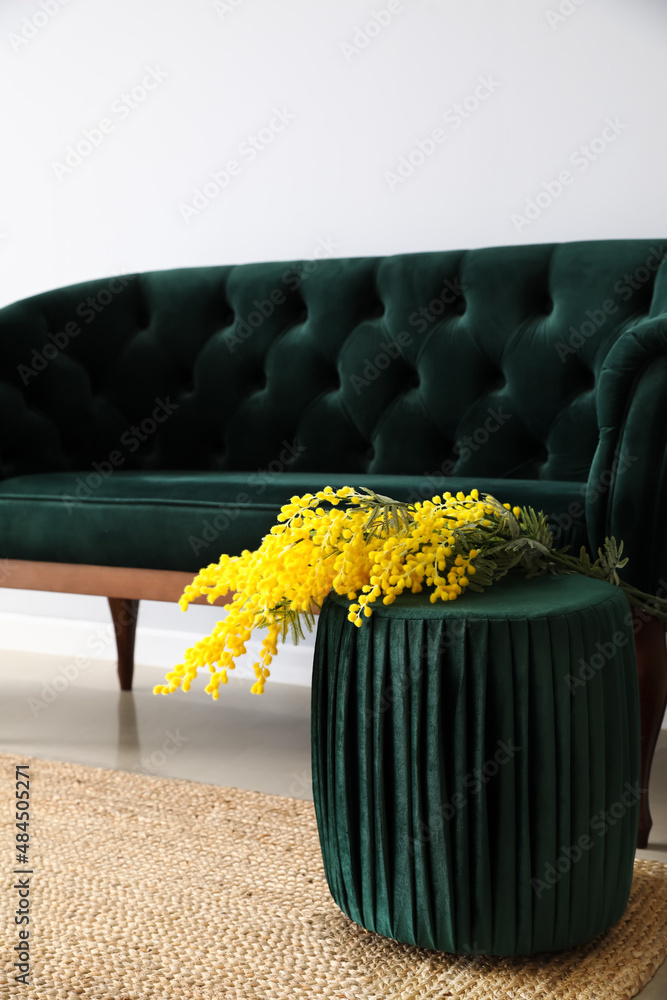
(185,520)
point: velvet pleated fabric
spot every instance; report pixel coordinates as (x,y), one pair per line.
(476,765)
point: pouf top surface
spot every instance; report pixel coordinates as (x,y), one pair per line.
(512,597)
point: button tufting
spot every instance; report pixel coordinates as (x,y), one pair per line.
(315,377)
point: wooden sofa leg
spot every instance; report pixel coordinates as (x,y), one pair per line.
(124,613)
(652,670)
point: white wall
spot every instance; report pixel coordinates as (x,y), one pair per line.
(229,63)
(70,626)
(352,107)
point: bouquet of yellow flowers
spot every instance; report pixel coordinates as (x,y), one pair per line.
(370,547)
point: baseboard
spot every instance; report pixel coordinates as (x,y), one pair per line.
(156,649)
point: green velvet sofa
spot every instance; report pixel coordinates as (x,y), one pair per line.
(152,421)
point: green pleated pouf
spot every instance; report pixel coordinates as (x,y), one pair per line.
(476,765)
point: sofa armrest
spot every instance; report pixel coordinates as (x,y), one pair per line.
(627,489)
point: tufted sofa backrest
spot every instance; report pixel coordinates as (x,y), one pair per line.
(475,363)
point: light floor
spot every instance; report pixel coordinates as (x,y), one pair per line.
(243,741)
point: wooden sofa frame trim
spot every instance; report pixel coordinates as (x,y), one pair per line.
(102,581)
(124,587)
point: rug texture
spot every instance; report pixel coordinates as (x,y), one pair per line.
(152,888)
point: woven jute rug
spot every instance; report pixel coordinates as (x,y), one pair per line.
(151,888)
